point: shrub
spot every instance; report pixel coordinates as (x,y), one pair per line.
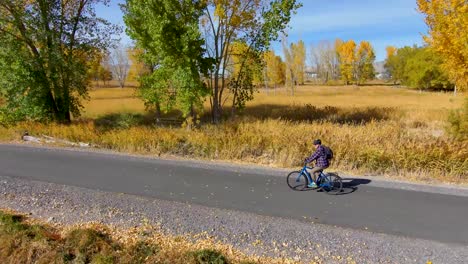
(207,256)
(458,122)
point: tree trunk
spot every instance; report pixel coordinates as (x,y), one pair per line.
(216,111)
(233,107)
(455,91)
(158,112)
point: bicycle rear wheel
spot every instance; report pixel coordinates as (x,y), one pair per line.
(332,184)
(297,181)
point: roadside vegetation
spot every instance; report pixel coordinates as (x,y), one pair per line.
(372,129)
(23,240)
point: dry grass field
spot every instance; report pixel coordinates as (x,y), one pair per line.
(404,104)
(372,129)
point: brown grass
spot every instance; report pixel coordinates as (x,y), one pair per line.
(23,242)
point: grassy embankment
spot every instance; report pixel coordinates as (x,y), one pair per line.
(25,242)
(372,129)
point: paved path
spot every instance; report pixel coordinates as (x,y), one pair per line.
(425,215)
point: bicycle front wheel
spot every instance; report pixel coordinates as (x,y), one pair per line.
(332,184)
(297,181)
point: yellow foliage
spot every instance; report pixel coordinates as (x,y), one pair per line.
(391,51)
(347,59)
(274,67)
(137,67)
(365,57)
(356,62)
(448,27)
(235,13)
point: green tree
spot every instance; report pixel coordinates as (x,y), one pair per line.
(423,71)
(417,68)
(168,33)
(396,62)
(46,46)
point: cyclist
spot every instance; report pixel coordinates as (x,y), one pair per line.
(321,158)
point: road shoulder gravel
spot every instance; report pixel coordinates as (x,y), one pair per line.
(251,233)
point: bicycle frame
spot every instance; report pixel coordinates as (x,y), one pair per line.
(310,179)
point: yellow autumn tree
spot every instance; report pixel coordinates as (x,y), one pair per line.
(356,62)
(364,65)
(274,69)
(391,51)
(347,59)
(137,67)
(448,27)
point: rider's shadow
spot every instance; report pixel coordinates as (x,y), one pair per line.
(351,185)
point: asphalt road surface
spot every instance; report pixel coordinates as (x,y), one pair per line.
(425,215)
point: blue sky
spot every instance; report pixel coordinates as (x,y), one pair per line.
(381,22)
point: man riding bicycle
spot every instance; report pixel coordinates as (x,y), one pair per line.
(321,157)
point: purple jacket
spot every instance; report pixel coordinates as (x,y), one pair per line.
(321,156)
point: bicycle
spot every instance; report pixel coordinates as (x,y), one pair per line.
(328,182)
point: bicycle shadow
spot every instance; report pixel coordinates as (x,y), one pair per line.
(351,185)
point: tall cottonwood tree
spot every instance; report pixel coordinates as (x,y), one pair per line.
(390,62)
(364,67)
(347,59)
(448,27)
(168,32)
(46,46)
(290,72)
(396,61)
(295,57)
(138,68)
(299,55)
(256,23)
(243,68)
(356,61)
(274,69)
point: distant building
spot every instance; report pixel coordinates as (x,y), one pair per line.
(380,72)
(311,75)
